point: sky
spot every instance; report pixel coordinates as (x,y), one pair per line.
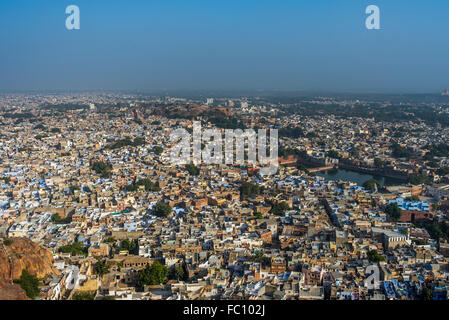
(291,45)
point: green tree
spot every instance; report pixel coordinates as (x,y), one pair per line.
(374,256)
(161,209)
(400,152)
(149,185)
(158,150)
(109,240)
(412,198)
(130,246)
(419,178)
(83,296)
(333,154)
(258,215)
(279,208)
(179,272)
(260,258)
(378,162)
(248,189)
(393,211)
(370,184)
(192,169)
(153,275)
(76,248)
(101,268)
(102,169)
(29,283)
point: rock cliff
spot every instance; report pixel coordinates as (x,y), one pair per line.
(18,254)
(11,291)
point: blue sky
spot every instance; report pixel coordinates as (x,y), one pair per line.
(231,45)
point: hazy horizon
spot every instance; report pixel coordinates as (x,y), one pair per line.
(301,46)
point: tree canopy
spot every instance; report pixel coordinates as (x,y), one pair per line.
(393,211)
(370,184)
(248,189)
(29,283)
(161,209)
(153,275)
(279,208)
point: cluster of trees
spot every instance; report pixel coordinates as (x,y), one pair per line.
(436,230)
(370,184)
(29,283)
(400,152)
(161,209)
(192,169)
(177,272)
(419,178)
(333,154)
(248,189)
(138,141)
(102,169)
(41,136)
(58,220)
(258,215)
(130,246)
(438,150)
(23,115)
(109,240)
(393,211)
(443,171)
(378,163)
(153,274)
(40,126)
(157,150)
(279,208)
(375,257)
(75,249)
(285,152)
(149,185)
(260,258)
(412,198)
(101,267)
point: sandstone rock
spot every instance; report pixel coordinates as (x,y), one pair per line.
(22,254)
(11,291)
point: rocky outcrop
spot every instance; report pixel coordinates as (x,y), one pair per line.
(21,253)
(11,291)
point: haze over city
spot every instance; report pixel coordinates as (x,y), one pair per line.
(225,45)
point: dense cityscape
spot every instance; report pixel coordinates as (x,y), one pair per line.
(92,208)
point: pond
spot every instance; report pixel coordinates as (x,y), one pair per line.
(357,177)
